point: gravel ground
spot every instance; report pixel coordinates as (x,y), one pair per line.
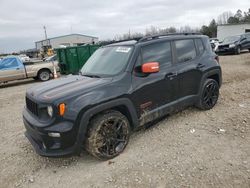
(191,148)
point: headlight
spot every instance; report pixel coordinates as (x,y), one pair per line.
(231,45)
(50,110)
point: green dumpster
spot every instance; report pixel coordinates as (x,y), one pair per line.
(71,59)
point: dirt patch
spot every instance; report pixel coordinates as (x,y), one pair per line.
(191,148)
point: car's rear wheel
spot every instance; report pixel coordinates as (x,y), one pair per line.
(44,75)
(209,95)
(108,135)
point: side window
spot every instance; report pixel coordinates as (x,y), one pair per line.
(199,46)
(185,50)
(159,52)
(8,63)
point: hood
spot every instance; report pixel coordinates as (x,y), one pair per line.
(228,43)
(225,43)
(64,87)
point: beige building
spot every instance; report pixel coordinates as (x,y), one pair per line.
(66,40)
(227,30)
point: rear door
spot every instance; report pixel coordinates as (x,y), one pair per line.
(188,65)
(11,69)
(152,91)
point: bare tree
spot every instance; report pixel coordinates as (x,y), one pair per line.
(152,31)
(223,18)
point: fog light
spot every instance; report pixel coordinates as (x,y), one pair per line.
(55,135)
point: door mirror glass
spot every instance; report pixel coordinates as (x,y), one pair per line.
(151,67)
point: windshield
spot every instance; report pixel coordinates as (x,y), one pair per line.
(107,61)
(231,39)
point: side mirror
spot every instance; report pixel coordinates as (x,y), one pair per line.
(151,67)
(243,39)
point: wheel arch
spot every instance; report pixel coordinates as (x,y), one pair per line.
(215,77)
(214,74)
(47,69)
(123,105)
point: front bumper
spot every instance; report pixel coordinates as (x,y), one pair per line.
(46,145)
(226,51)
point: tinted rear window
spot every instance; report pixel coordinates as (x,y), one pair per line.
(199,45)
(185,50)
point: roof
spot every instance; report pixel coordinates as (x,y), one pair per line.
(67,36)
(248,23)
(157,37)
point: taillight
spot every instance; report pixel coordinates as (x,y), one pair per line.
(217,59)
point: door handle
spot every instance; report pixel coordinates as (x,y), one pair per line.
(199,66)
(171,75)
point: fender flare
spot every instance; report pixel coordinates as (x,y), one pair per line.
(216,71)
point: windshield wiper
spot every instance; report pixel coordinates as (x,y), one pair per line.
(91,75)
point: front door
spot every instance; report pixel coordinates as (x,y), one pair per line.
(152,91)
(11,69)
(245,41)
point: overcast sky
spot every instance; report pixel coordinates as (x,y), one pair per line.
(21,21)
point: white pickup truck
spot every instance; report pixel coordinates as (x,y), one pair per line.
(13,68)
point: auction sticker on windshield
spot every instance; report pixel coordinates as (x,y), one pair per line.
(123,49)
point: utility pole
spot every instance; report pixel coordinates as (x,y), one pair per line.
(46,37)
(44,27)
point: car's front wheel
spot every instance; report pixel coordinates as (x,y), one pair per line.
(209,95)
(108,135)
(237,51)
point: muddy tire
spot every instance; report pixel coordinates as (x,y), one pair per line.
(209,95)
(108,135)
(43,75)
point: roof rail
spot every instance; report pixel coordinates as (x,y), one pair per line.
(147,38)
(117,41)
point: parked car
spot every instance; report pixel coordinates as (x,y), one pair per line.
(234,44)
(214,43)
(13,68)
(122,87)
(24,57)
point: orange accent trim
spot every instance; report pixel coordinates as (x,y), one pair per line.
(62,109)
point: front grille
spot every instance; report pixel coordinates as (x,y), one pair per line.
(223,46)
(32,106)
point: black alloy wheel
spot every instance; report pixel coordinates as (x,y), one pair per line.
(108,135)
(210,95)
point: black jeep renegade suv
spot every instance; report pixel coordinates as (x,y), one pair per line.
(121,87)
